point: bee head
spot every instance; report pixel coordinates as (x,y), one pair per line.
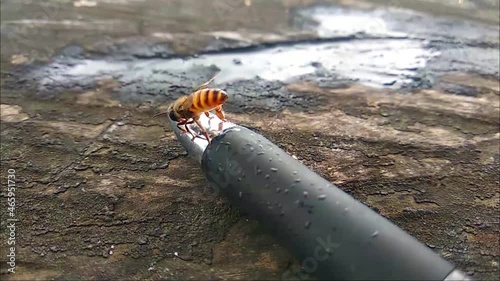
(173,116)
(171,113)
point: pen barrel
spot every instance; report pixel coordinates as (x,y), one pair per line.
(332,234)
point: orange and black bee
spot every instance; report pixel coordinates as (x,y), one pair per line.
(188,109)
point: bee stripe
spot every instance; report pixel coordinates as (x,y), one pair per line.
(195,101)
(219,97)
(201,105)
(206,99)
(207,102)
(214,97)
(200,100)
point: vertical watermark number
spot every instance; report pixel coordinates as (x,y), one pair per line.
(11,220)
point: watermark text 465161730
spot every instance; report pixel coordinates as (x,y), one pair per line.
(11,220)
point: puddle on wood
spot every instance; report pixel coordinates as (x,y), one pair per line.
(379,48)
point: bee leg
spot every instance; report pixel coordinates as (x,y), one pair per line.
(193,135)
(189,131)
(208,115)
(185,122)
(220,113)
(205,133)
(209,118)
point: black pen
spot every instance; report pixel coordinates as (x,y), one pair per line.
(334,236)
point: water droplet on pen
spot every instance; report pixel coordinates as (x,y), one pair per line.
(270,159)
(260,153)
(227,143)
(239,179)
(274,169)
(279,159)
(240,194)
(307,224)
(346,210)
(294,172)
(297,180)
(375,234)
(285,191)
(299,203)
(282,213)
(261,146)
(210,159)
(322,197)
(251,148)
(305,194)
(278,190)
(267,177)
(217,148)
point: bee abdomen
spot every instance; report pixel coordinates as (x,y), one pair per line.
(207,99)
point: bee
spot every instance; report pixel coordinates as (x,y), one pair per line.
(188,109)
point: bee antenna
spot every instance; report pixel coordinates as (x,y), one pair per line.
(161,113)
(215,76)
(205,85)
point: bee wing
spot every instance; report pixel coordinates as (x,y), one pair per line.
(205,85)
